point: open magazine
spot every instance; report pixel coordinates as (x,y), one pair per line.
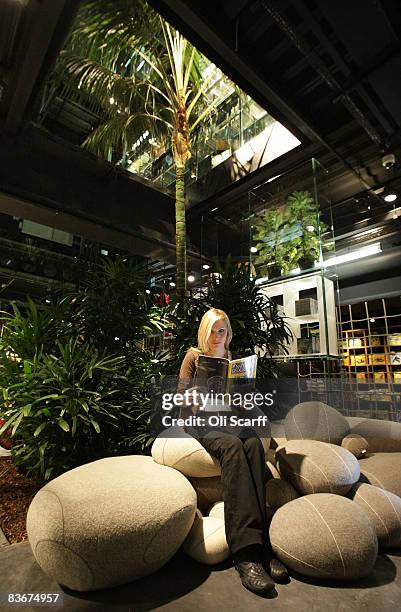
(224,375)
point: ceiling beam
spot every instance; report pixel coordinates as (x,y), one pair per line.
(45,25)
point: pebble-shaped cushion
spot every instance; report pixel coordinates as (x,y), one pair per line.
(384,510)
(317,467)
(315,421)
(110,521)
(355,444)
(279,492)
(382,470)
(217,510)
(383,436)
(324,536)
(208,491)
(206,542)
(179,450)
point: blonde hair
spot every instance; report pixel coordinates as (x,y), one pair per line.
(205,328)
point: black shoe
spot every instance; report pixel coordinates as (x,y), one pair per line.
(278,571)
(254,577)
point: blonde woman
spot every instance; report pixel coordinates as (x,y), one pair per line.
(243,470)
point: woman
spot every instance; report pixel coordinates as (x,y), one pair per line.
(243,470)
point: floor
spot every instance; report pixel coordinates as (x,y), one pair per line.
(184,585)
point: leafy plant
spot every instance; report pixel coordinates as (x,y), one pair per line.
(112,308)
(64,408)
(303,212)
(71,389)
(276,253)
(31,330)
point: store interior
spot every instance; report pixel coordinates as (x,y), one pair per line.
(295,177)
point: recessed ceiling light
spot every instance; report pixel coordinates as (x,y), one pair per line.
(172,284)
(253,249)
(390,196)
(206,266)
(191,278)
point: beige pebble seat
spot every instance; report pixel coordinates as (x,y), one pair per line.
(110,521)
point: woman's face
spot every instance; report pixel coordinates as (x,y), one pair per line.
(218,334)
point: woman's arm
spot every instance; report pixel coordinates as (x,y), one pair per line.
(186,379)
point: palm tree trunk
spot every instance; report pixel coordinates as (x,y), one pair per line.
(180,233)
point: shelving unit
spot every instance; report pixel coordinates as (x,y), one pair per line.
(370,347)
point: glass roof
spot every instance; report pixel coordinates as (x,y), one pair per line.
(238,133)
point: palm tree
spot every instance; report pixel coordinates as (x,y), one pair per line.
(148,79)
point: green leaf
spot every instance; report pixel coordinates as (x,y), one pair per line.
(39,429)
(74,425)
(95,425)
(17,423)
(27,409)
(64,425)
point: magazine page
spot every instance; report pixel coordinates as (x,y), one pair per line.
(243,368)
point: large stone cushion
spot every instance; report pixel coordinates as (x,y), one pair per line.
(382,436)
(217,510)
(177,449)
(317,467)
(185,454)
(111,521)
(382,470)
(206,542)
(324,536)
(384,510)
(315,421)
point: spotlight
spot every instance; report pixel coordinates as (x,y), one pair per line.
(147,290)
(253,249)
(191,278)
(111,100)
(206,266)
(172,284)
(390,196)
(372,320)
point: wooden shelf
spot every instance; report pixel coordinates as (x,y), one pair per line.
(372,339)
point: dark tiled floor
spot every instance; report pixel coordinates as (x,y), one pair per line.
(186,586)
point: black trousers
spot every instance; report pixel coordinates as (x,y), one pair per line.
(243,475)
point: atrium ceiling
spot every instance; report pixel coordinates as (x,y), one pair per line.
(328,71)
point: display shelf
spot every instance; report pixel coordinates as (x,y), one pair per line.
(370,348)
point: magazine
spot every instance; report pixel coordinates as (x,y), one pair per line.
(224,375)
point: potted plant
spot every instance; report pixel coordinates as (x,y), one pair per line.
(304,214)
(276,254)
